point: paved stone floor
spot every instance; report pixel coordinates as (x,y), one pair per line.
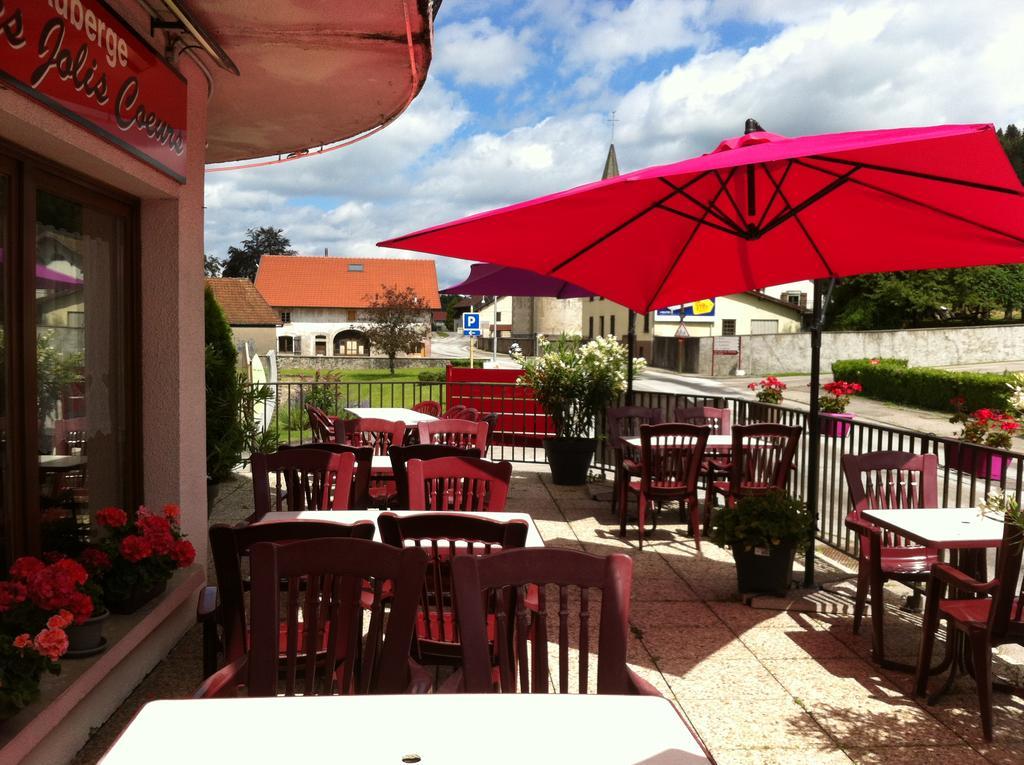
(759,685)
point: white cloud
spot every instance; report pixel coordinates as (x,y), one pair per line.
(478,53)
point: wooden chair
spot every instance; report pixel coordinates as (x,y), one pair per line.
(443,536)
(760,461)
(719,420)
(322,580)
(322,425)
(887,480)
(671,455)
(985,614)
(463,433)
(458,483)
(492,424)
(469,413)
(454,412)
(400,456)
(224,606)
(432,408)
(311,479)
(623,422)
(379,435)
(360,497)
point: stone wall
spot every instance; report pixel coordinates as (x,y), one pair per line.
(313,363)
(791,353)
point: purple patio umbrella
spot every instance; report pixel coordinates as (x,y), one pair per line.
(490,279)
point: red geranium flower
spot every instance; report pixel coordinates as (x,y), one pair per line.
(11,594)
(24,568)
(183,553)
(875,362)
(52,587)
(95,559)
(75,570)
(81,607)
(153,525)
(172,512)
(61,620)
(112,517)
(51,643)
(24,640)
(135,548)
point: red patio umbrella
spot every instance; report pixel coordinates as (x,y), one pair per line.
(763,209)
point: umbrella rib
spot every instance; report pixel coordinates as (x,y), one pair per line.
(703,206)
(775,194)
(924,176)
(815,197)
(919,203)
(617,229)
(730,231)
(728,194)
(685,246)
(800,223)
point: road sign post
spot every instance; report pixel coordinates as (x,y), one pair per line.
(471,329)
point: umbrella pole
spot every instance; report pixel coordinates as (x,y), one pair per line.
(631,350)
(814,426)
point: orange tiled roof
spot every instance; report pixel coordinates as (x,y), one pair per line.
(242,303)
(298,281)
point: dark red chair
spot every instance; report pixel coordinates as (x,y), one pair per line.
(718,419)
(760,461)
(671,455)
(623,422)
(304,479)
(318,584)
(322,425)
(454,412)
(491,419)
(469,413)
(360,497)
(379,435)
(443,536)
(400,456)
(887,481)
(464,433)
(458,483)
(985,614)
(431,408)
(224,606)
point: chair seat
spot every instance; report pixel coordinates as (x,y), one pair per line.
(632,467)
(634,485)
(907,561)
(973,611)
(723,487)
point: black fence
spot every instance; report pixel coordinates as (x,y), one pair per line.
(966,474)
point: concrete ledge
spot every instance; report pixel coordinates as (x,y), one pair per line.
(89,690)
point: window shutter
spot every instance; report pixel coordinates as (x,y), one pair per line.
(803,299)
(297,346)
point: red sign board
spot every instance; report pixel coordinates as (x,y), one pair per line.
(81,60)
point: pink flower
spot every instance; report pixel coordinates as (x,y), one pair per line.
(51,643)
(24,640)
(60,620)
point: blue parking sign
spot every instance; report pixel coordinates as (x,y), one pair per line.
(471,323)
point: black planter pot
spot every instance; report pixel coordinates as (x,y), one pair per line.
(569,459)
(136,599)
(764,569)
(87,638)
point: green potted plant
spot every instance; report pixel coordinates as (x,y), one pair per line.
(835,420)
(574,383)
(765,531)
(983,431)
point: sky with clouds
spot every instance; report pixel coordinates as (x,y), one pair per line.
(519,93)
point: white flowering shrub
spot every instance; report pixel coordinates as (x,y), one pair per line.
(575,382)
(1015,401)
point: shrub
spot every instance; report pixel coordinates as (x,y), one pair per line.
(432,375)
(924,387)
(224,437)
(767,519)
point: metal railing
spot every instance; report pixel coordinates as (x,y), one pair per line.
(966,476)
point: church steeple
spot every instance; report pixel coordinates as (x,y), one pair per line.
(611,164)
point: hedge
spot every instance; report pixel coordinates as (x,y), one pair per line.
(924,387)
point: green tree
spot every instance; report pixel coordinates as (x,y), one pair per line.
(397,323)
(224,436)
(245,261)
(212,266)
(1012,139)
(450,305)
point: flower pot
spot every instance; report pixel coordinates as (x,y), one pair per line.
(758,412)
(87,638)
(135,600)
(835,424)
(981,463)
(764,569)
(569,459)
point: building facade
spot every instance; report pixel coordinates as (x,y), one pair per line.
(110,111)
(323,302)
(253,322)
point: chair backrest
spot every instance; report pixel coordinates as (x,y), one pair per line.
(523,629)
(1008,564)
(891,480)
(443,536)
(454,413)
(320,424)
(331,652)
(400,456)
(312,479)
(458,483)
(762,455)
(432,408)
(230,546)
(625,421)
(671,455)
(469,413)
(464,433)
(379,435)
(360,497)
(491,418)
(719,420)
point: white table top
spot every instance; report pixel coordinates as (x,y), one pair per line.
(61,461)
(949,528)
(440,729)
(533,537)
(394,414)
(381,463)
(714,441)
